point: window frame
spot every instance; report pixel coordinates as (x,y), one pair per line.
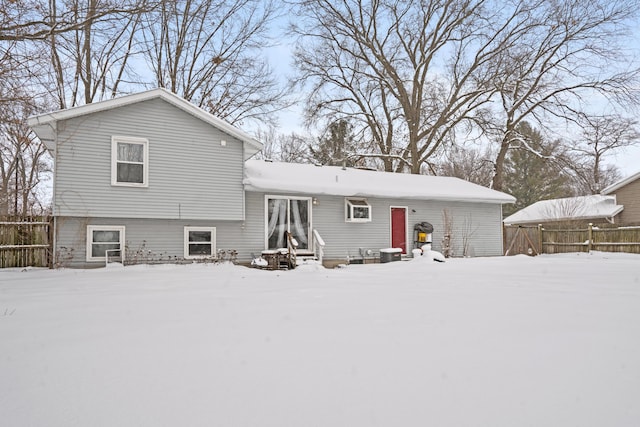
(189,228)
(309,230)
(115,140)
(350,206)
(90,242)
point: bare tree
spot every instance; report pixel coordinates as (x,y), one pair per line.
(470,164)
(568,52)
(13,73)
(447,233)
(292,147)
(601,137)
(210,53)
(411,73)
(22,20)
(23,161)
(91,62)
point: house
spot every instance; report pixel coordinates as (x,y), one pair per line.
(151,176)
(583,209)
(627,193)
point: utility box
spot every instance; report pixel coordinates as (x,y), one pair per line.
(390,254)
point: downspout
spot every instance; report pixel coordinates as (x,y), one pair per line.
(502,229)
(244,191)
(54,243)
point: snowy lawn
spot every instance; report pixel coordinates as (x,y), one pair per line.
(518,341)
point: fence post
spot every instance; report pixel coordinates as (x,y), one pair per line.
(590,237)
(540,238)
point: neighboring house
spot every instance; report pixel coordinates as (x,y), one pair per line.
(161,178)
(627,193)
(596,209)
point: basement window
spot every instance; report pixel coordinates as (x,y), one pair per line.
(357,210)
(103,241)
(199,242)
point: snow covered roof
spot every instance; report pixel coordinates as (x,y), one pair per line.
(265,176)
(571,208)
(44,124)
(613,187)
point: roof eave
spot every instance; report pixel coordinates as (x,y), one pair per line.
(610,189)
(248,186)
(574,218)
(41,124)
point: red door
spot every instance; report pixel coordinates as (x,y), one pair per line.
(399,228)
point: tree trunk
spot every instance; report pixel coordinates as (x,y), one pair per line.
(498,175)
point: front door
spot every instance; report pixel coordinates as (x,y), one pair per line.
(399,228)
(287,214)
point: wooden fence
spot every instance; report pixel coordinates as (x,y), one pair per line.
(25,242)
(539,240)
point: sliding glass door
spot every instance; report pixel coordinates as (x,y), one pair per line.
(288,214)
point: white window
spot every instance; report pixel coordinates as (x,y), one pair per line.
(357,210)
(129,161)
(103,240)
(199,242)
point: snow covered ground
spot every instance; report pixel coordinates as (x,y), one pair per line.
(517,341)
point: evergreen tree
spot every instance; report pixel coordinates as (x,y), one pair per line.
(532,171)
(336,147)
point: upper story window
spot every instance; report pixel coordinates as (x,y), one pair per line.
(357,210)
(129,161)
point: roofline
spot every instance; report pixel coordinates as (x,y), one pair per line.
(621,183)
(568,218)
(494,201)
(172,98)
(275,185)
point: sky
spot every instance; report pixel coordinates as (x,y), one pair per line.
(627,160)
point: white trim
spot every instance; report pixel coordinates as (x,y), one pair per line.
(89,246)
(289,198)
(618,185)
(115,140)
(40,123)
(212,230)
(406,227)
(349,207)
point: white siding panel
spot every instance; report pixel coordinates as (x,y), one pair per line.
(191,175)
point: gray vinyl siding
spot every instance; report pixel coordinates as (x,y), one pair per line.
(481,223)
(157,238)
(191,175)
(629,197)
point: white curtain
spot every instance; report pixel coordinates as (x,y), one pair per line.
(300,228)
(277,222)
(130,152)
(287,215)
